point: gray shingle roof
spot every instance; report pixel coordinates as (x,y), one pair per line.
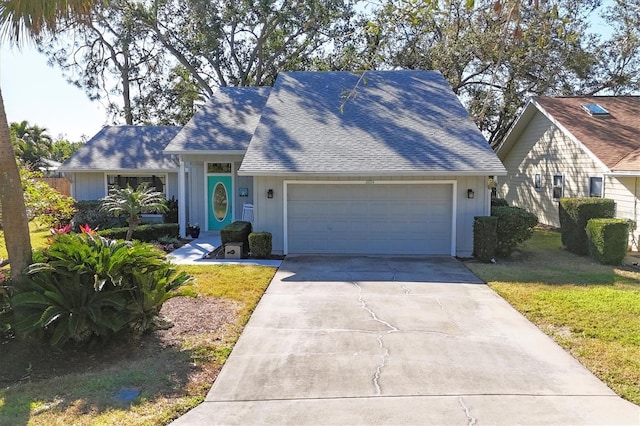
(225,123)
(125,148)
(399,123)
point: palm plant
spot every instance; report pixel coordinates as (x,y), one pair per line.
(32,144)
(132,203)
(21,20)
(91,288)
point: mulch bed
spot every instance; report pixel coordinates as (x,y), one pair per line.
(191,317)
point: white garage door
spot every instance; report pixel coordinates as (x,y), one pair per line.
(369,219)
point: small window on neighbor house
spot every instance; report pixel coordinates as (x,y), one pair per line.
(218,167)
(594,109)
(595,187)
(558,187)
(537,182)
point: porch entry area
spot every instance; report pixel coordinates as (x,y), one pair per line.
(219,195)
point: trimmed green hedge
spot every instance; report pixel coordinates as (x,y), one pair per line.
(485,237)
(144,233)
(260,244)
(515,226)
(237,231)
(498,202)
(575,213)
(608,240)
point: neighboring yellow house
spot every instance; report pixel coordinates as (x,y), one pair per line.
(573,147)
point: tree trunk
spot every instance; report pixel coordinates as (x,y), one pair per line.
(126,84)
(14,215)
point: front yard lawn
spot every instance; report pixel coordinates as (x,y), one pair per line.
(165,373)
(39,236)
(591,310)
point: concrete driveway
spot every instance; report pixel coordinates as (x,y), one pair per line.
(373,340)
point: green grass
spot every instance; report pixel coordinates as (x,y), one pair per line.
(245,284)
(39,238)
(592,310)
(171,380)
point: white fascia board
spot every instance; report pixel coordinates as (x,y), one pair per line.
(572,137)
(500,172)
(121,171)
(522,120)
(622,173)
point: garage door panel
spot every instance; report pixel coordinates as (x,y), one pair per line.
(369,219)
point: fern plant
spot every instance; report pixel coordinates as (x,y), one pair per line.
(90,287)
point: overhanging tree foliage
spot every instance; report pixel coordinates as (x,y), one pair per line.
(494,55)
(20,20)
(160,57)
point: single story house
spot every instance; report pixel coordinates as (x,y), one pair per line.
(573,147)
(123,155)
(388,162)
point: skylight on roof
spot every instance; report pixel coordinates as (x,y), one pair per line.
(594,109)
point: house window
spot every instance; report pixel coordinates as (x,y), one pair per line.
(595,187)
(537,182)
(558,187)
(218,167)
(122,181)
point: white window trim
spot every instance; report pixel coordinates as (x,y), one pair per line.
(454,202)
(537,188)
(553,185)
(601,186)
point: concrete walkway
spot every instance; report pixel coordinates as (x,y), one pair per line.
(192,253)
(369,340)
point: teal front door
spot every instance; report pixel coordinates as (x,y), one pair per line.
(220,212)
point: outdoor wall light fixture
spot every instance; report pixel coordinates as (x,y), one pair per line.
(470,193)
(270,193)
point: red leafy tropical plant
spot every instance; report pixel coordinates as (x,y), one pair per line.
(86,229)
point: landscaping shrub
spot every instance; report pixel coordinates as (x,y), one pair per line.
(574,214)
(498,202)
(89,213)
(237,231)
(485,237)
(608,240)
(260,244)
(515,226)
(145,233)
(43,203)
(94,288)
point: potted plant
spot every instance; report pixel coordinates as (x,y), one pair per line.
(193,230)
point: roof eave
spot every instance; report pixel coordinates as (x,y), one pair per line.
(623,173)
(503,149)
(483,172)
(137,170)
(571,136)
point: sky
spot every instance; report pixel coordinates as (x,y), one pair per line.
(38,93)
(34,91)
